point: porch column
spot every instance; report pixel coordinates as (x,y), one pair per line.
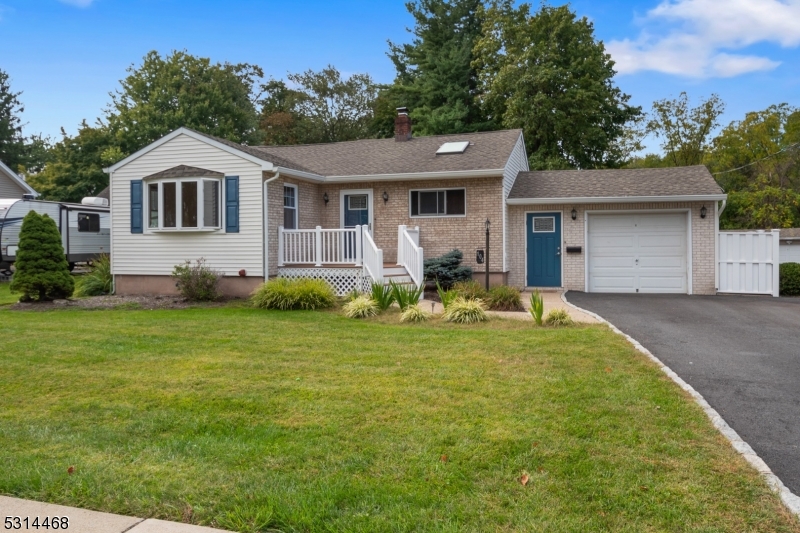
(400,230)
(318,247)
(359,244)
(280,246)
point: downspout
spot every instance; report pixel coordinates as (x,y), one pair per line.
(265,212)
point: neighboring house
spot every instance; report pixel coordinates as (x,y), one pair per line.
(341,210)
(12,185)
(790,245)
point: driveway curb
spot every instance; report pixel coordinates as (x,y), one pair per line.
(789,499)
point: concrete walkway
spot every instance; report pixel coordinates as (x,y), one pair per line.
(552,300)
(83,521)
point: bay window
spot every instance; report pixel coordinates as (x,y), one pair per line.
(184,204)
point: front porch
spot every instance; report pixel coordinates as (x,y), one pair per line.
(348,258)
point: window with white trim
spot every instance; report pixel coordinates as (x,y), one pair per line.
(290,207)
(184,204)
(438,203)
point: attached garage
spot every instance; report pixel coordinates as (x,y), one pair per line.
(617,231)
(638,252)
(790,245)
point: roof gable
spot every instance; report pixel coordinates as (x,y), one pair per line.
(185,171)
(13,176)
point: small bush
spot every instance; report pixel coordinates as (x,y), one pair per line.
(361,307)
(446,297)
(42,271)
(790,279)
(414,313)
(537,307)
(463,311)
(405,294)
(505,298)
(470,290)
(446,269)
(98,281)
(197,282)
(285,294)
(558,317)
(382,295)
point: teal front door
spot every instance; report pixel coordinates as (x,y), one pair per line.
(356,210)
(544,249)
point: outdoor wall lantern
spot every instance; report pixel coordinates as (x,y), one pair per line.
(385,197)
(574,214)
(703,212)
(325,198)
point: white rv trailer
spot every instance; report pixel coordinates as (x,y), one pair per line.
(85,228)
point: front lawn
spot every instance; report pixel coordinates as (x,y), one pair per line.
(307,421)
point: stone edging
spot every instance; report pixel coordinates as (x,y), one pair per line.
(790,500)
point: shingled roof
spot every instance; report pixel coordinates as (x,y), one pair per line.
(367,157)
(185,171)
(790,234)
(615,183)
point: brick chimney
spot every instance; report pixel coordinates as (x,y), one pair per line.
(402,125)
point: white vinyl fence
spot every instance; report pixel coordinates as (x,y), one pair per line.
(749,262)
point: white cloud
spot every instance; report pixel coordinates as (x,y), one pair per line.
(77,3)
(702,34)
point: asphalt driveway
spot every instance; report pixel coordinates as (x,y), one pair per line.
(742,353)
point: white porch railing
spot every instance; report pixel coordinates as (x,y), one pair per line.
(320,246)
(373,256)
(409,253)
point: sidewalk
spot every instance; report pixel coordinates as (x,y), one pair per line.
(83,521)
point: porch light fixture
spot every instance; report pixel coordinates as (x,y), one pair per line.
(574,214)
(325,198)
(385,197)
(703,212)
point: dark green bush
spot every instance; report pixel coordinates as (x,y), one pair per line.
(42,271)
(197,282)
(470,290)
(447,269)
(98,281)
(790,279)
(505,298)
(303,293)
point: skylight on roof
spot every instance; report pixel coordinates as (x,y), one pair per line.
(453,148)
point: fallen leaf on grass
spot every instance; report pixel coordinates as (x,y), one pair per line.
(608,369)
(524,479)
(443,458)
(70,470)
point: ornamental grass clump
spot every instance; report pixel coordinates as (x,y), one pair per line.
(361,307)
(558,318)
(470,290)
(414,314)
(42,271)
(197,282)
(382,295)
(537,307)
(464,311)
(303,294)
(505,298)
(98,281)
(790,279)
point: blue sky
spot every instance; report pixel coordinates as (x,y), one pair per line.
(67,55)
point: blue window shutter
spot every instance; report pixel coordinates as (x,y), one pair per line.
(137,211)
(231,204)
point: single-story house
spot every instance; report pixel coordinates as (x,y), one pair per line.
(790,245)
(357,211)
(12,185)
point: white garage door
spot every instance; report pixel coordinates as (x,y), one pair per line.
(638,253)
(790,253)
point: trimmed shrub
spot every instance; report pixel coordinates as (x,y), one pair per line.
(558,317)
(285,294)
(463,311)
(405,294)
(42,271)
(414,313)
(537,307)
(505,298)
(197,282)
(446,269)
(446,297)
(97,282)
(470,290)
(790,279)
(361,307)
(382,295)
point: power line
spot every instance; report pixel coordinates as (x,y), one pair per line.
(795,145)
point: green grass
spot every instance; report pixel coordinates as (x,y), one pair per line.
(309,421)
(6,298)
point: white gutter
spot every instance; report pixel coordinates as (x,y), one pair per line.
(299,174)
(406,176)
(265,219)
(616,199)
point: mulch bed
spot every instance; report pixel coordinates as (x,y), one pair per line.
(116,302)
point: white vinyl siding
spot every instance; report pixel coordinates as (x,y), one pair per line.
(644,253)
(157,253)
(518,162)
(9,188)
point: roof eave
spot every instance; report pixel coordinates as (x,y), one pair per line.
(617,199)
(18,179)
(409,176)
(299,174)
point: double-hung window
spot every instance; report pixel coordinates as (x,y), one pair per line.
(290,207)
(184,204)
(438,203)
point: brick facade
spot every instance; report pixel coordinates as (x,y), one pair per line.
(573,233)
